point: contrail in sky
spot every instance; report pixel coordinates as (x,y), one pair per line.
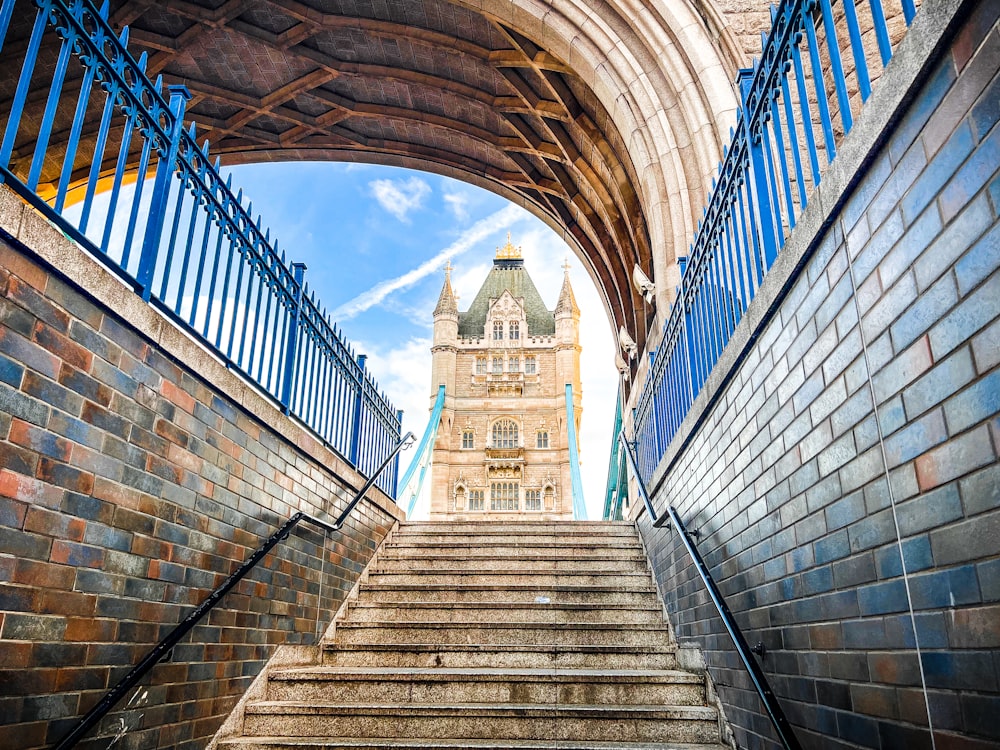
(477,232)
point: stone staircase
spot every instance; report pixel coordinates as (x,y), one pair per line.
(476,635)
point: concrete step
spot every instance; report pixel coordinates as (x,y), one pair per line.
(491,655)
(468,592)
(538,536)
(630,723)
(421,743)
(537,578)
(395,562)
(503,611)
(506,633)
(509,550)
(490,686)
(594,528)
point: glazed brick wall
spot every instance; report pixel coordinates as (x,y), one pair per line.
(129,488)
(845,483)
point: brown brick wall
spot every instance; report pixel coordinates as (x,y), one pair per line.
(846,483)
(129,488)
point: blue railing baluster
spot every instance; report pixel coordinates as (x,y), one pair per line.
(45,129)
(298,279)
(793,143)
(860,63)
(837,66)
(881,31)
(818,83)
(782,158)
(21,92)
(806,116)
(179,97)
(133,217)
(73,142)
(6,10)
(909,11)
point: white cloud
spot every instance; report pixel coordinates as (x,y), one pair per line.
(466,240)
(400,197)
(458,204)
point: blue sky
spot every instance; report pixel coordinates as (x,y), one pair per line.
(375,241)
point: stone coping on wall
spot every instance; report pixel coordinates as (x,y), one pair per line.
(39,237)
(912,61)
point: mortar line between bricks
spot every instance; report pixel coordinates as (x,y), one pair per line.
(892,496)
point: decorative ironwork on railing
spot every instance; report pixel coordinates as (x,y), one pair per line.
(182,239)
(799,101)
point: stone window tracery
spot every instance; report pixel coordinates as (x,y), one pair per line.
(542,439)
(480,365)
(476,500)
(468,440)
(533,500)
(505,434)
(497,330)
(514,364)
(504,495)
(498,365)
(530,365)
(515,330)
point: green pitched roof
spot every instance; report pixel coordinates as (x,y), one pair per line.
(507,275)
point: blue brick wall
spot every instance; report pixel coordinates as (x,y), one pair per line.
(846,483)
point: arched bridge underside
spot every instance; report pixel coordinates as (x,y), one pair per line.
(606,119)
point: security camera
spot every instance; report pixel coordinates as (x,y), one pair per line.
(627,343)
(622,366)
(646,287)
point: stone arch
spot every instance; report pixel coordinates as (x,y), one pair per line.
(605,118)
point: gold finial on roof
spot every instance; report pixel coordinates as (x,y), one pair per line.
(566,265)
(508,251)
(448,268)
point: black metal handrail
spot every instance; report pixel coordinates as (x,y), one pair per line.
(163,648)
(757,676)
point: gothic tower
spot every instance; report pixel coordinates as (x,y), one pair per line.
(502,448)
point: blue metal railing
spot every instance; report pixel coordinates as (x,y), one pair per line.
(127,181)
(797,103)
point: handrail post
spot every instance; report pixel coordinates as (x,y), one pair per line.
(358,403)
(757,176)
(292,337)
(179,97)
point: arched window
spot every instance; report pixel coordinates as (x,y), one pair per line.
(504,495)
(533,500)
(468,440)
(480,365)
(498,365)
(514,364)
(497,330)
(515,329)
(476,500)
(505,434)
(542,439)
(530,366)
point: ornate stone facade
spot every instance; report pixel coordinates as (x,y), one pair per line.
(502,448)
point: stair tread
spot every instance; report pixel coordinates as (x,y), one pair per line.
(617,711)
(438,625)
(504,606)
(502,647)
(508,587)
(485,744)
(487,673)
